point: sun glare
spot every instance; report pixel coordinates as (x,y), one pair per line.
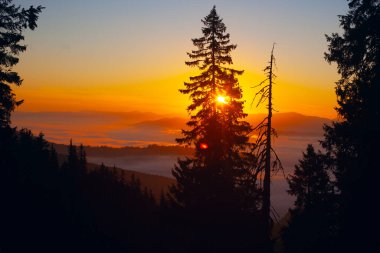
(221,99)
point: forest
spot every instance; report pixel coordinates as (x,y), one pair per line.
(220,198)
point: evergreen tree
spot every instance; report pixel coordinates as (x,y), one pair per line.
(216,128)
(211,193)
(72,158)
(311,225)
(310,182)
(354,139)
(54,164)
(28,191)
(82,159)
(13,21)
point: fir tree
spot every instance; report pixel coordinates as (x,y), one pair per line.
(354,139)
(82,159)
(216,128)
(72,158)
(310,182)
(311,225)
(13,21)
(54,164)
(211,191)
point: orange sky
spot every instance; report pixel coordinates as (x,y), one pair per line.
(121,57)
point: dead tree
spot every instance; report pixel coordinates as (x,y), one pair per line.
(263,146)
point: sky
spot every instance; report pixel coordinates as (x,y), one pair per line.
(128,55)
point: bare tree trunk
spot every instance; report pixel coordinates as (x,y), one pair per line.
(267,171)
(263,146)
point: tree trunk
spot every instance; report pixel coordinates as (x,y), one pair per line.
(267,171)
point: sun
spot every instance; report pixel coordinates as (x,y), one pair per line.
(221,99)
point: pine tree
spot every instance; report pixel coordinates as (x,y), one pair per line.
(354,139)
(82,159)
(72,158)
(216,128)
(211,190)
(54,164)
(13,20)
(310,182)
(313,189)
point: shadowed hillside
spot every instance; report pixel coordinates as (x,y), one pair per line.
(104,151)
(157,184)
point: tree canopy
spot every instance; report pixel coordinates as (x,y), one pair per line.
(216,189)
(215,128)
(351,142)
(13,21)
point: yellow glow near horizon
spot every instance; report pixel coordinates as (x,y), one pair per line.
(66,69)
(118,97)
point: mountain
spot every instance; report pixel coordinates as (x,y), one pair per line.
(141,128)
(292,123)
(144,143)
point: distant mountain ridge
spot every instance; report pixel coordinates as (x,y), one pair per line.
(141,128)
(291,123)
(144,145)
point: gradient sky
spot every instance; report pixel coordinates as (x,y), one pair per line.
(123,55)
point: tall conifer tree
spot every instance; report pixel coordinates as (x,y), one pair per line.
(215,128)
(312,187)
(354,139)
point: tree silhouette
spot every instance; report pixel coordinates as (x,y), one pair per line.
(310,182)
(354,139)
(46,207)
(345,222)
(82,159)
(216,128)
(211,187)
(313,188)
(28,191)
(13,20)
(72,157)
(263,147)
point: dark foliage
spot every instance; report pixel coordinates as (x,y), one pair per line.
(311,227)
(346,219)
(310,182)
(354,140)
(215,195)
(47,208)
(105,151)
(310,231)
(13,21)
(210,178)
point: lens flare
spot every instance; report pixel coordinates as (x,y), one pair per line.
(221,99)
(203,146)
